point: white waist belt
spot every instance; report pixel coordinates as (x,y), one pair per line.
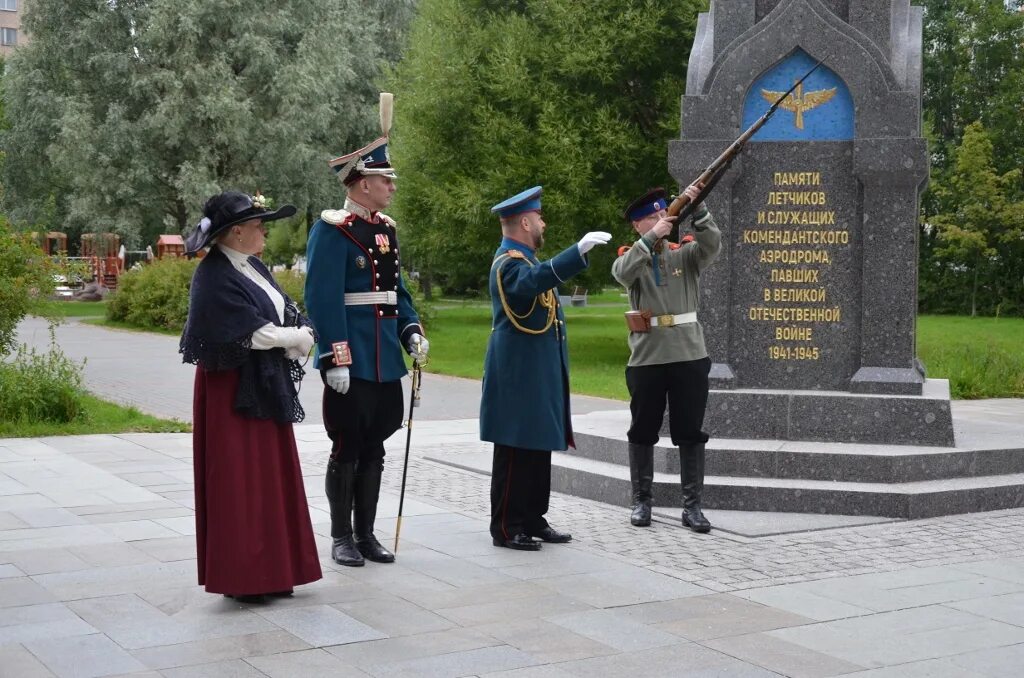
(389,298)
(673,320)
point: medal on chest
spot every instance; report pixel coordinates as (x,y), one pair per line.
(383,242)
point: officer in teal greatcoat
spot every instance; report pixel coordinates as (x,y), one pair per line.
(524,409)
(364,318)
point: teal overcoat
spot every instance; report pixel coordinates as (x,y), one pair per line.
(525,402)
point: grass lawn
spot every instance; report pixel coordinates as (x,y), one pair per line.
(74,309)
(100,417)
(982,357)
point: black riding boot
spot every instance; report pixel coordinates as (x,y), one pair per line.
(367,492)
(340,488)
(691,473)
(641,475)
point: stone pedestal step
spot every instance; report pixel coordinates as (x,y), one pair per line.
(818,461)
(610,483)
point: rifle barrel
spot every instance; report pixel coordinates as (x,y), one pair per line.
(735,147)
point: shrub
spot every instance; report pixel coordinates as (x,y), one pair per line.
(26,279)
(37,387)
(155,296)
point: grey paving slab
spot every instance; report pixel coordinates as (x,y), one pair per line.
(610,628)
(134,623)
(797,600)
(115,554)
(22,591)
(517,608)
(168,549)
(547,642)
(685,658)
(234,668)
(994,663)
(38,622)
(530,672)
(1006,608)
(453,664)
(17,661)
(904,636)
(110,581)
(621,585)
(788,659)
(931,668)
(214,650)
(303,664)
(44,561)
(452,596)
(9,571)
(84,656)
(710,616)
(365,655)
(394,617)
(321,625)
(9,521)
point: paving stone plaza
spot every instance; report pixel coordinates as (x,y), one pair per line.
(98,571)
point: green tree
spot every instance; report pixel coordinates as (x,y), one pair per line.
(974,71)
(495,97)
(135,111)
(979,242)
(26,278)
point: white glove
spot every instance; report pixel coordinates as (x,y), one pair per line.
(418,346)
(588,241)
(338,379)
(300,343)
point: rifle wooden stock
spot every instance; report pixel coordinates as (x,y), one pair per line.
(709,177)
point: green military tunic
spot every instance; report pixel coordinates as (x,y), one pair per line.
(663,279)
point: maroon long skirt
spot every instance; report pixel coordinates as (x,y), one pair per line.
(253,533)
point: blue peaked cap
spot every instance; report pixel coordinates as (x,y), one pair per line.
(650,202)
(527,201)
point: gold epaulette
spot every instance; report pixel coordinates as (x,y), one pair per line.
(335,217)
(390,222)
(515,254)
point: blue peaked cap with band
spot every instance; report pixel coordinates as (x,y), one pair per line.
(650,202)
(527,201)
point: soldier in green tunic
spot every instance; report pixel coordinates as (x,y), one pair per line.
(668,360)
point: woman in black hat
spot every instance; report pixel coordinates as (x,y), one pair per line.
(245,336)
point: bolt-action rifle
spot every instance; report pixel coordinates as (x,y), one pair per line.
(682,206)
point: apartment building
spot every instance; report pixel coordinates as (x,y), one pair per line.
(11,34)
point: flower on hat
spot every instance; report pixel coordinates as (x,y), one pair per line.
(261,201)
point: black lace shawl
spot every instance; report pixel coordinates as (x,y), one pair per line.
(225,308)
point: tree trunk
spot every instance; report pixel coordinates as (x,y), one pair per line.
(974,295)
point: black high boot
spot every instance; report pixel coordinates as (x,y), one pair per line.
(367,492)
(691,473)
(340,488)
(641,475)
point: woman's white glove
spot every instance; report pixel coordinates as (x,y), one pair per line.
(588,241)
(338,379)
(418,346)
(301,341)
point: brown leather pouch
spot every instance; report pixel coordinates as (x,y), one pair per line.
(638,321)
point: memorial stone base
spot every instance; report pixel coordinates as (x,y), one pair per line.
(926,474)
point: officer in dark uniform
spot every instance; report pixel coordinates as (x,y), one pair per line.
(364,317)
(524,410)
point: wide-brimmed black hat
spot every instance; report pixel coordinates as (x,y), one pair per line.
(225,210)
